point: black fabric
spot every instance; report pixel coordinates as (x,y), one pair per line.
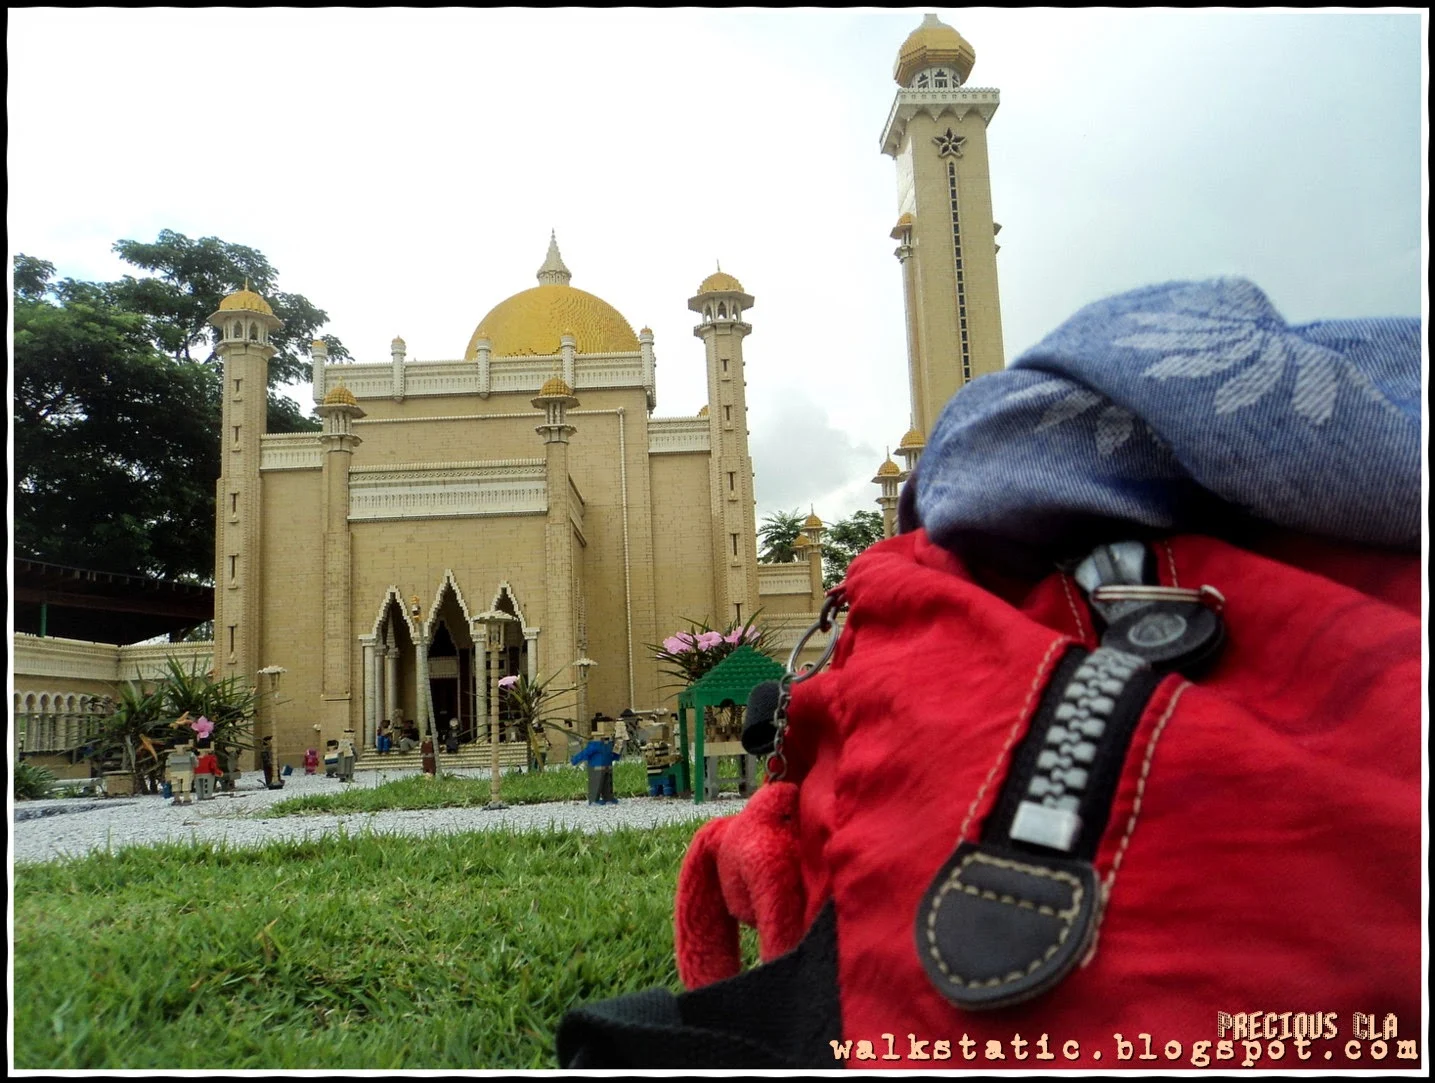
(782,1014)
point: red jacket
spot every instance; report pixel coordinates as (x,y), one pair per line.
(1262,857)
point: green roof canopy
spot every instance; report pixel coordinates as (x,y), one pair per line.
(731,679)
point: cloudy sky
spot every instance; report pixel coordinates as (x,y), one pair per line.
(403,168)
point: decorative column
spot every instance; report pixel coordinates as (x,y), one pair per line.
(889,474)
(318,357)
(645,347)
(568,345)
(555,399)
(421,671)
(397,349)
(391,681)
(338,410)
(485,368)
(371,703)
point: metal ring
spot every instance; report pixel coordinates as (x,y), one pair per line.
(826,620)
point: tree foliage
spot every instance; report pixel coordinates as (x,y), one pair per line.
(118,404)
(776,534)
(844,540)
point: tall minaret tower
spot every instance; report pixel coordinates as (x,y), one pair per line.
(946,239)
(244,321)
(721,302)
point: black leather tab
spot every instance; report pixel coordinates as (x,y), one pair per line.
(996,927)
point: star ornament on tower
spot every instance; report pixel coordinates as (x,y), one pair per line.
(949,143)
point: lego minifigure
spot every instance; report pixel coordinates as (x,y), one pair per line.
(346,757)
(179,773)
(331,758)
(206,774)
(662,761)
(311,760)
(599,756)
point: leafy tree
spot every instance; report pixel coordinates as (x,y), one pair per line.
(846,538)
(776,534)
(118,403)
(191,278)
(115,445)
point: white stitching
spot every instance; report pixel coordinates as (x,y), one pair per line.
(1075,612)
(1011,737)
(1066,917)
(1141,786)
(1171,563)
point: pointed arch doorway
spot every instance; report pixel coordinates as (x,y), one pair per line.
(451,668)
(509,655)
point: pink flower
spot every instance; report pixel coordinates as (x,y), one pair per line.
(202,726)
(678,644)
(507,682)
(708,640)
(734,637)
(751,635)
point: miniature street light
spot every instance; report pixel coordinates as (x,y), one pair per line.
(495,621)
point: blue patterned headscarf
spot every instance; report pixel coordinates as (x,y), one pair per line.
(1186,407)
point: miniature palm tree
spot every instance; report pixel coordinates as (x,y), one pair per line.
(137,730)
(528,701)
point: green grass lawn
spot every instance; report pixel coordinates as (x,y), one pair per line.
(450,791)
(454,951)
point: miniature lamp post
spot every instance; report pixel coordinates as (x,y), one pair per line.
(583,665)
(495,621)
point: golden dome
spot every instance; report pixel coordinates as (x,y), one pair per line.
(913,440)
(903,224)
(888,469)
(704,411)
(800,542)
(532,322)
(340,396)
(245,300)
(933,44)
(811,521)
(720,283)
(556,385)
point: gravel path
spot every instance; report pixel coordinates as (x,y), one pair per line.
(72,827)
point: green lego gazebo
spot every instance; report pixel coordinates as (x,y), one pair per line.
(730,681)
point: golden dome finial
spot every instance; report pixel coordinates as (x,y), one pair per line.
(720,282)
(553,272)
(245,300)
(933,44)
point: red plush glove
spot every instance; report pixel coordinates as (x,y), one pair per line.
(741,868)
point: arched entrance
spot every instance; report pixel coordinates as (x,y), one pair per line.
(450,668)
(389,668)
(509,656)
